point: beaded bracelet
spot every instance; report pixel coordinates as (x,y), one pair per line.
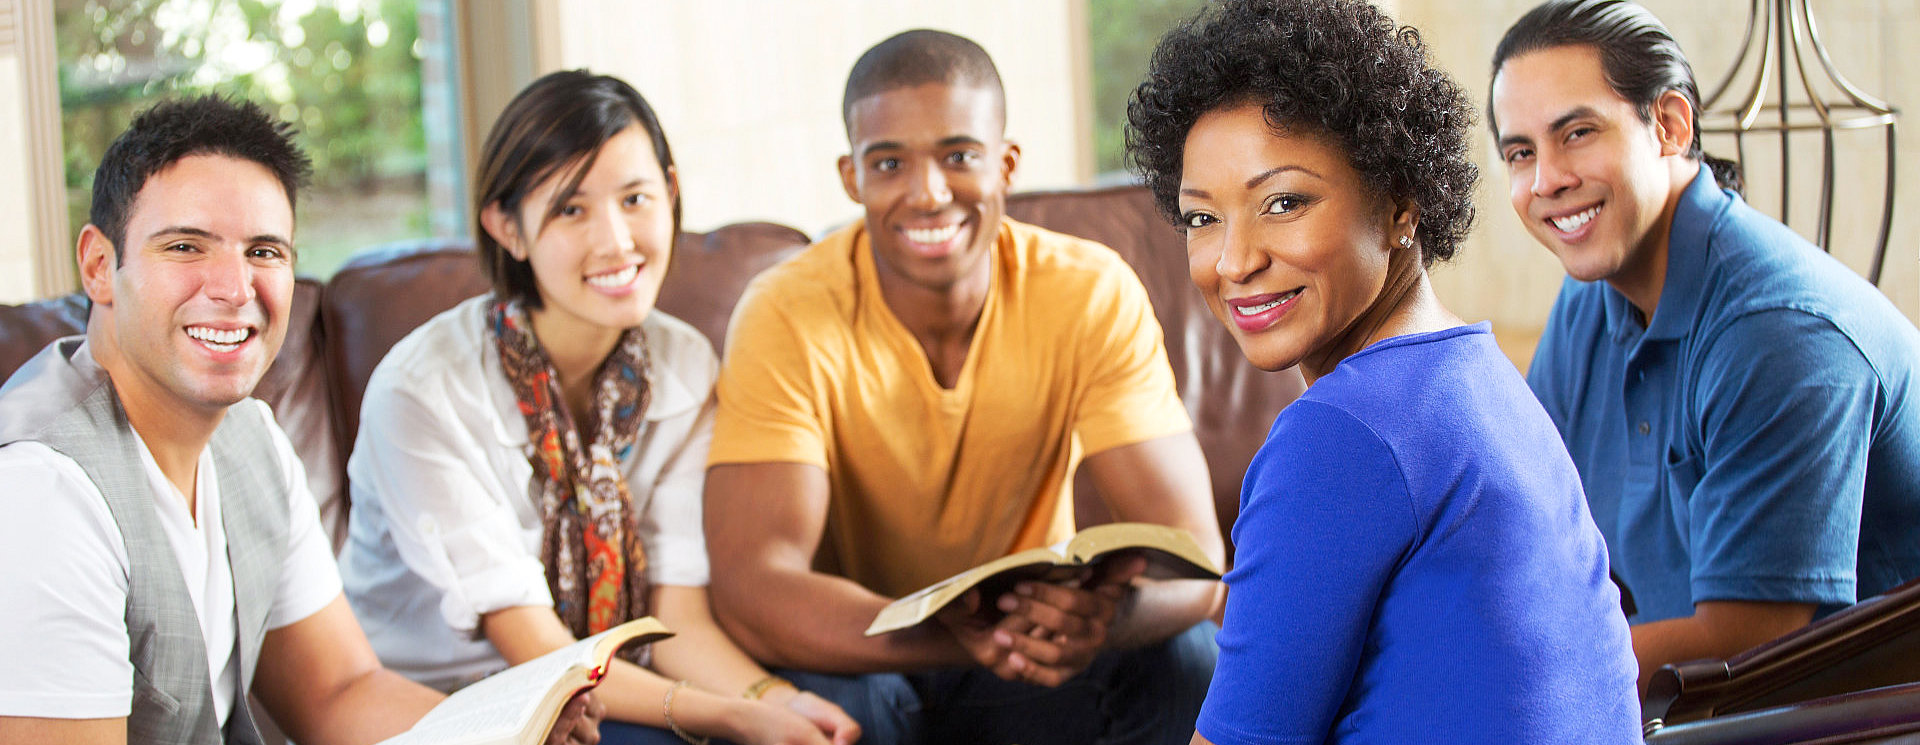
(667,708)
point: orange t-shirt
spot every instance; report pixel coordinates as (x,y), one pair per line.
(925,482)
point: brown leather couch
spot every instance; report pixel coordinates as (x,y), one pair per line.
(341,329)
(1871,645)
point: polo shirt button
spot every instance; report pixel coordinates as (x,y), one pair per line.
(1644,428)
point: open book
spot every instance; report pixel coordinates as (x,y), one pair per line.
(1171,554)
(519,705)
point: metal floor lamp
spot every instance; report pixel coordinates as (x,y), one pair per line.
(1785,34)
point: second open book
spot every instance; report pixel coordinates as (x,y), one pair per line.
(1171,553)
(519,705)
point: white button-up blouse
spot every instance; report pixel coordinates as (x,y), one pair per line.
(443,528)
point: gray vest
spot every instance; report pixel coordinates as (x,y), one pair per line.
(62,399)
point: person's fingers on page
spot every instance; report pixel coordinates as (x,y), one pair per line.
(1119,572)
(587,729)
(969,602)
(579,722)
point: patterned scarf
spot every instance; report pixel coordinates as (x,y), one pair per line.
(591,548)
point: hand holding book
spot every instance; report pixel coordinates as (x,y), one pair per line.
(579,722)
(1047,632)
(538,701)
(1169,553)
(1042,615)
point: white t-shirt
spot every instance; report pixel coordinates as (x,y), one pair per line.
(64,649)
(443,527)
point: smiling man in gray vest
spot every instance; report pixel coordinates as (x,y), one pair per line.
(161,556)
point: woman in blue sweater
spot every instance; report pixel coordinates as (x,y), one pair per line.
(1415,558)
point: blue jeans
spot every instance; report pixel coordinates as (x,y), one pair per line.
(1145,696)
(623,733)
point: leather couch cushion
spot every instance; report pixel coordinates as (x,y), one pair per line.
(375,300)
(26,329)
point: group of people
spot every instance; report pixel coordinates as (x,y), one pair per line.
(1720,422)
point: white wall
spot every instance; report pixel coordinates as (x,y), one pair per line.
(16,207)
(750,95)
(749,90)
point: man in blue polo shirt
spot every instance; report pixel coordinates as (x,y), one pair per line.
(1744,410)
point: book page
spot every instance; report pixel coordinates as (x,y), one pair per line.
(1176,547)
(499,707)
(923,603)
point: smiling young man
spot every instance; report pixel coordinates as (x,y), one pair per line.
(910,397)
(162,555)
(1744,410)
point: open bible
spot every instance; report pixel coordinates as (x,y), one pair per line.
(519,705)
(1171,553)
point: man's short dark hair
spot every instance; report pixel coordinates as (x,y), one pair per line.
(1640,58)
(918,57)
(176,129)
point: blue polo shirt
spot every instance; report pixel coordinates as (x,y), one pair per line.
(1759,439)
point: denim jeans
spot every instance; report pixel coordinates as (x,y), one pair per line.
(622,733)
(1145,696)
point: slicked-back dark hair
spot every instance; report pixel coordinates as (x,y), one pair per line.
(558,122)
(179,128)
(1639,56)
(1334,67)
(918,57)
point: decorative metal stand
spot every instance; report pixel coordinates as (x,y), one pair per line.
(1785,28)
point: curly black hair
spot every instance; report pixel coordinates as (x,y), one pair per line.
(1335,66)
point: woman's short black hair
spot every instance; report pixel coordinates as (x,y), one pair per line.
(559,121)
(1338,67)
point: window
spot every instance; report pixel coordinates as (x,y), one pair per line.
(1121,36)
(347,73)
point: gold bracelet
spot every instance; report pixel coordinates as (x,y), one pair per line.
(667,708)
(760,687)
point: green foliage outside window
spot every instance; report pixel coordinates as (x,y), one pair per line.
(1122,36)
(345,72)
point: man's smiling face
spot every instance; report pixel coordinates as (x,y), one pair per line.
(932,168)
(1588,176)
(195,307)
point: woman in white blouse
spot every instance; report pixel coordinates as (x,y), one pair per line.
(529,463)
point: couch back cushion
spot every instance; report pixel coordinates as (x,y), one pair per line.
(1232,403)
(27,328)
(376,299)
